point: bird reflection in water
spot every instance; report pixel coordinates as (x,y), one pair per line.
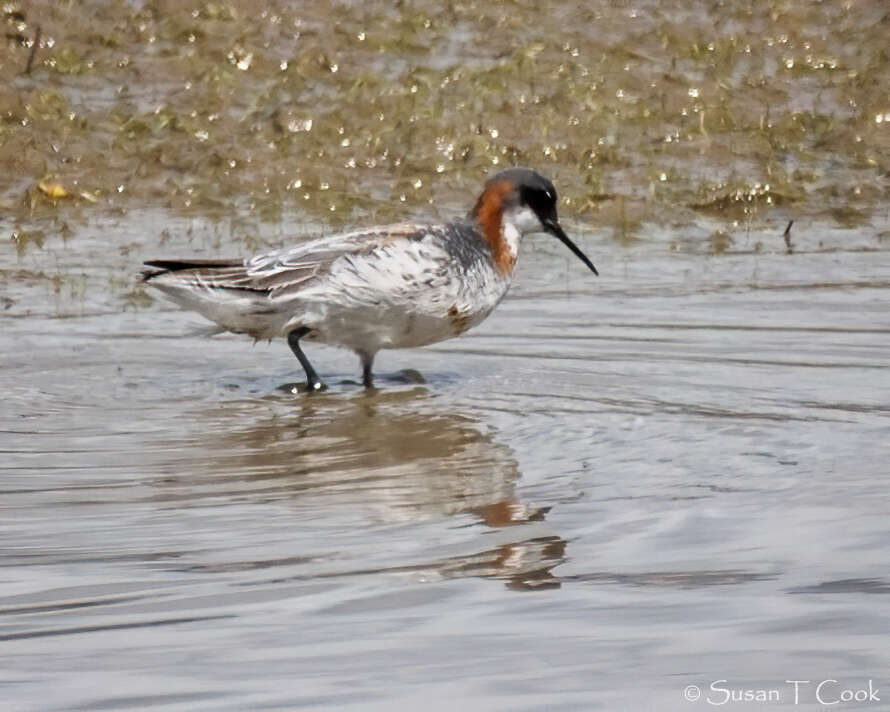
(381,458)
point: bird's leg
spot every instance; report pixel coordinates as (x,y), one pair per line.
(313,382)
(367,362)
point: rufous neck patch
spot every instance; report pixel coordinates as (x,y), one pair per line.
(489,215)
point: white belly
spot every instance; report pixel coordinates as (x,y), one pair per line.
(372,329)
(371,317)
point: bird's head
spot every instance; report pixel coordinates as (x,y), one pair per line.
(514,203)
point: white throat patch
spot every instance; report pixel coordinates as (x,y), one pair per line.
(519,221)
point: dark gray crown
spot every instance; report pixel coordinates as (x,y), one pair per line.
(532,189)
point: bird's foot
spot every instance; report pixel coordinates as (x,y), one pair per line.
(296,388)
(314,387)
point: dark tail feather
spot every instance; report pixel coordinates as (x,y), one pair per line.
(162,266)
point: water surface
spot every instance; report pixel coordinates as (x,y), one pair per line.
(612,489)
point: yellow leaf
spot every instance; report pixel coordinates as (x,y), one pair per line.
(53,190)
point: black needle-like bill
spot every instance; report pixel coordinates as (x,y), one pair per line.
(554,229)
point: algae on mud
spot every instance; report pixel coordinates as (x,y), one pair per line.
(344,111)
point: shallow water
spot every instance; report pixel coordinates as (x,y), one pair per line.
(611,490)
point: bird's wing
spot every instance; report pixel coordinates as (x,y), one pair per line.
(358,257)
(286,272)
(198,274)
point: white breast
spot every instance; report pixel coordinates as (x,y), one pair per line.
(402,294)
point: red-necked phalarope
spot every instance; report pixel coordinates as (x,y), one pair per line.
(387,287)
